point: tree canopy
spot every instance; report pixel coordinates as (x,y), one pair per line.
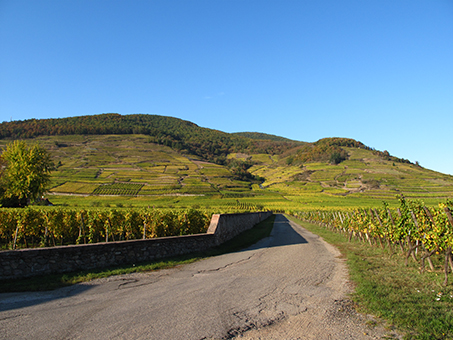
(25,173)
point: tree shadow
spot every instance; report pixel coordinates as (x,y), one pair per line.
(283,234)
(12,301)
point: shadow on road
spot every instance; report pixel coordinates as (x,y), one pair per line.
(284,234)
(11,301)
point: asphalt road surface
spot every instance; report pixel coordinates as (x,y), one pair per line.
(291,285)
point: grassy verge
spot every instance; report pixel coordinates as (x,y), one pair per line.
(418,304)
(48,282)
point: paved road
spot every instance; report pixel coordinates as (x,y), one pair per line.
(290,285)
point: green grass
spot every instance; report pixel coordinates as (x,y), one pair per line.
(49,282)
(418,304)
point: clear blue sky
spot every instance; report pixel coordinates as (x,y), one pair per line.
(378,71)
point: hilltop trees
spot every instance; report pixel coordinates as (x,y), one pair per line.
(24,173)
(239,169)
(337,157)
(324,150)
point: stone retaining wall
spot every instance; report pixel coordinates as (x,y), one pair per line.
(16,264)
(227,226)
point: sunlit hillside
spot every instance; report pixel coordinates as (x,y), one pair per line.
(164,167)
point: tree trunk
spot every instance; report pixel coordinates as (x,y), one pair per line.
(410,251)
(427,255)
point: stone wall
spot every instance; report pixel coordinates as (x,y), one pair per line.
(41,261)
(227,226)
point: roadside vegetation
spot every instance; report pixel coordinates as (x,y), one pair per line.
(418,304)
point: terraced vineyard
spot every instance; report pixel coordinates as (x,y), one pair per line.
(123,189)
(364,179)
(132,170)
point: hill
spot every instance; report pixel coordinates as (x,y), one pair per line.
(186,137)
(163,161)
(262,136)
(181,135)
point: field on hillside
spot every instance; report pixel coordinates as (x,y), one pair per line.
(364,180)
(132,171)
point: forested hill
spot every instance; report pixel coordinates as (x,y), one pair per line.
(262,136)
(187,137)
(108,123)
(179,134)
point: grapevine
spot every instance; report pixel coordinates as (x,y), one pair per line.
(418,231)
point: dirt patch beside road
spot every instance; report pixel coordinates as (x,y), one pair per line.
(325,316)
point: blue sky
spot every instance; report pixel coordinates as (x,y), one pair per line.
(378,71)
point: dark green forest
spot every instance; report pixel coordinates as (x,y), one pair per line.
(262,136)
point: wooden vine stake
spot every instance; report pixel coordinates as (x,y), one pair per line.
(448,260)
(46,237)
(411,247)
(83,229)
(380,223)
(342,222)
(351,233)
(109,226)
(368,236)
(80,230)
(388,238)
(15,237)
(427,254)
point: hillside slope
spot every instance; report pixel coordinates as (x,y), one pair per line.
(181,135)
(177,158)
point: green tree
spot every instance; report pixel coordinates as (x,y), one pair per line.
(337,158)
(290,160)
(26,175)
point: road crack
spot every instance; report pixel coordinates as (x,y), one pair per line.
(223,267)
(12,317)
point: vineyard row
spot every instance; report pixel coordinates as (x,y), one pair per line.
(29,227)
(413,228)
(124,189)
(53,226)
